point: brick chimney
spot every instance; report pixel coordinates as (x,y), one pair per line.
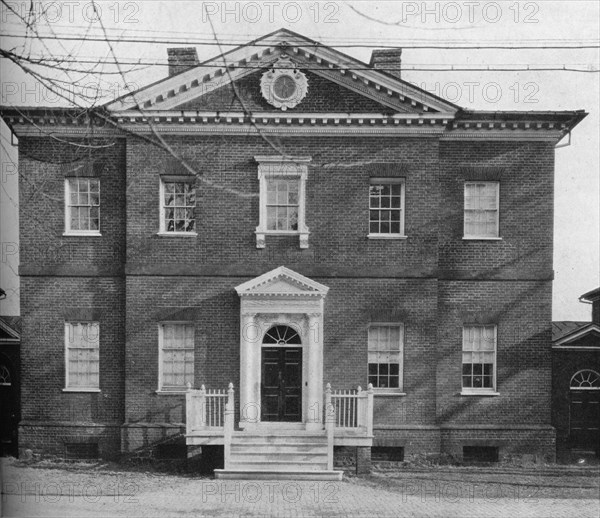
(593,298)
(389,60)
(182,59)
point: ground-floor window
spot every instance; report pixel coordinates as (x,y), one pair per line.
(479,358)
(386,345)
(82,355)
(176,351)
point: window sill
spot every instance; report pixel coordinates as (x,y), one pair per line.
(178,392)
(178,234)
(483,393)
(82,234)
(386,236)
(388,393)
(93,390)
(281,232)
(475,238)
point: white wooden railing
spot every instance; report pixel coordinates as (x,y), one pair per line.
(205,409)
(351,409)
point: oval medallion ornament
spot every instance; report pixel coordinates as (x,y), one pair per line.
(284,86)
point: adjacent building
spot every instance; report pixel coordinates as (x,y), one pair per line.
(576,383)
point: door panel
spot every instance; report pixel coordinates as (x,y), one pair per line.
(585,419)
(281,392)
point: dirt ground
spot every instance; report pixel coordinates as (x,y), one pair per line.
(58,488)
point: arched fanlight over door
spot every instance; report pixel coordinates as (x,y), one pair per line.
(586,380)
(281,335)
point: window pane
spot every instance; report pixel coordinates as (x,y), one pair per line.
(271,218)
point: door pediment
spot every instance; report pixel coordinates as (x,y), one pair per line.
(282,282)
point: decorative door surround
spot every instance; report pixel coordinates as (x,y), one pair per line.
(281,297)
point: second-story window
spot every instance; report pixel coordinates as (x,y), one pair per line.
(178,206)
(481,210)
(386,207)
(82,206)
(282,198)
(283,203)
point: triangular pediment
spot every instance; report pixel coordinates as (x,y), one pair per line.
(331,75)
(585,336)
(282,282)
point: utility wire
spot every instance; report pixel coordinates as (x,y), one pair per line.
(142,64)
(458,46)
(332,40)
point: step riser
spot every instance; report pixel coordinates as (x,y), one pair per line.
(268,450)
(271,441)
(249,466)
(280,475)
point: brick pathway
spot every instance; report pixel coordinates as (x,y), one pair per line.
(350,498)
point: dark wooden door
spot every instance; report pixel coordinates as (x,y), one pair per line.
(281,390)
(585,419)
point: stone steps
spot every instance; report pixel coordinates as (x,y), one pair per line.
(280,455)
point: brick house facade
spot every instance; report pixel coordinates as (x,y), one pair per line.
(450,321)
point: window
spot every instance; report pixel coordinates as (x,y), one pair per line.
(82,344)
(82,206)
(75,450)
(385,355)
(5,377)
(282,182)
(282,203)
(176,362)
(178,206)
(586,380)
(479,358)
(481,210)
(386,207)
(475,454)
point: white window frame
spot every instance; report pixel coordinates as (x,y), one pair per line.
(390,390)
(388,181)
(162,389)
(479,391)
(495,237)
(68,231)
(176,179)
(68,348)
(285,168)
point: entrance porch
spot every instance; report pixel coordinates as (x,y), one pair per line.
(287,424)
(280,450)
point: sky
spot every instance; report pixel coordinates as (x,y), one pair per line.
(366,25)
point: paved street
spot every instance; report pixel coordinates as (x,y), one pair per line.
(52,492)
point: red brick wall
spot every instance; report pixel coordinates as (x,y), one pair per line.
(43,166)
(422,281)
(522,313)
(525,171)
(336,214)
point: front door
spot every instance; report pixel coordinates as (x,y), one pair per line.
(281,394)
(585,419)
